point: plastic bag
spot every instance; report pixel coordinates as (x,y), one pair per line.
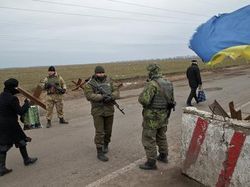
(201,96)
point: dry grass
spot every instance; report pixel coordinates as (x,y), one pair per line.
(30,77)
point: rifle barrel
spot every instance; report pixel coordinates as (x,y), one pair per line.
(103,92)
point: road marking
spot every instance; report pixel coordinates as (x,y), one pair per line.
(127,168)
(116,173)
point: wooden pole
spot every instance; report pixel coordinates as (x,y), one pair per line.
(32,98)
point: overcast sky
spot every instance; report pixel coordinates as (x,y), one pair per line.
(53,32)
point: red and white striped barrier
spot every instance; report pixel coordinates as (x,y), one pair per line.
(215,152)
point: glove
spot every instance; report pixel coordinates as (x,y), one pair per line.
(107,98)
(172,105)
(28,139)
(62,91)
(26,102)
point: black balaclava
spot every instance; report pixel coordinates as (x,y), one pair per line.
(100,69)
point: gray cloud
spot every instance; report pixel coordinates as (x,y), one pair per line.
(35,33)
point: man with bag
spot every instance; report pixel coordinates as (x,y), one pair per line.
(194,80)
(102,108)
(157,100)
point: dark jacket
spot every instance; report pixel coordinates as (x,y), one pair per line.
(10,130)
(98,107)
(193,75)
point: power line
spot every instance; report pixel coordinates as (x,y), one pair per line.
(107,9)
(157,8)
(86,15)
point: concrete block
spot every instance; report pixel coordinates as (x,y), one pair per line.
(215,151)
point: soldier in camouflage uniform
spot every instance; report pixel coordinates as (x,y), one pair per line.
(102,108)
(156,99)
(55,87)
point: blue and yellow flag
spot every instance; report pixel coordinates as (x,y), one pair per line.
(223,35)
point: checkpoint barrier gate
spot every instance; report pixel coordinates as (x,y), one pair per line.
(215,150)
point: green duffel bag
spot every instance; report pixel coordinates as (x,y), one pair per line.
(31,118)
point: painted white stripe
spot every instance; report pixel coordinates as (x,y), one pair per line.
(242,106)
(107,178)
(242,166)
(116,173)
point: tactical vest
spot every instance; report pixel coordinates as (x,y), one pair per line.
(163,96)
(55,81)
(106,86)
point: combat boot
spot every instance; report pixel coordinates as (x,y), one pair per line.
(162,157)
(100,155)
(149,165)
(105,148)
(29,161)
(48,123)
(62,121)
(3,169)
(26,159)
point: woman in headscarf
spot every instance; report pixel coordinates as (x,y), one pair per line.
(10,130)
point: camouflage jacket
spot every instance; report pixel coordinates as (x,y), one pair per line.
(98,107)
(152,117)
(53,84)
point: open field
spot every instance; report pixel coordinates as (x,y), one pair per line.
(67,155)
(30,77)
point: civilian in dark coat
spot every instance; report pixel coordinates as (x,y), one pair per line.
(194,80)
(10,130)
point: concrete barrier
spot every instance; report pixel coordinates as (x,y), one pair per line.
(215,151)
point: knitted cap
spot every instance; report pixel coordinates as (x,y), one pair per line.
(52,68)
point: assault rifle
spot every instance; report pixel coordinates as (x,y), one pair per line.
(55,87)
(103,92)
(59,89)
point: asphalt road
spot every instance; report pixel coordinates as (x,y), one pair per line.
(67,154)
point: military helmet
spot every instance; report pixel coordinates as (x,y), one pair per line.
(153,68)
(99,69)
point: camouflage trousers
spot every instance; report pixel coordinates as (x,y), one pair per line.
(152,138)
(103,129)
(51,101)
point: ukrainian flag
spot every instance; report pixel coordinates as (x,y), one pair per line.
(226,35)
